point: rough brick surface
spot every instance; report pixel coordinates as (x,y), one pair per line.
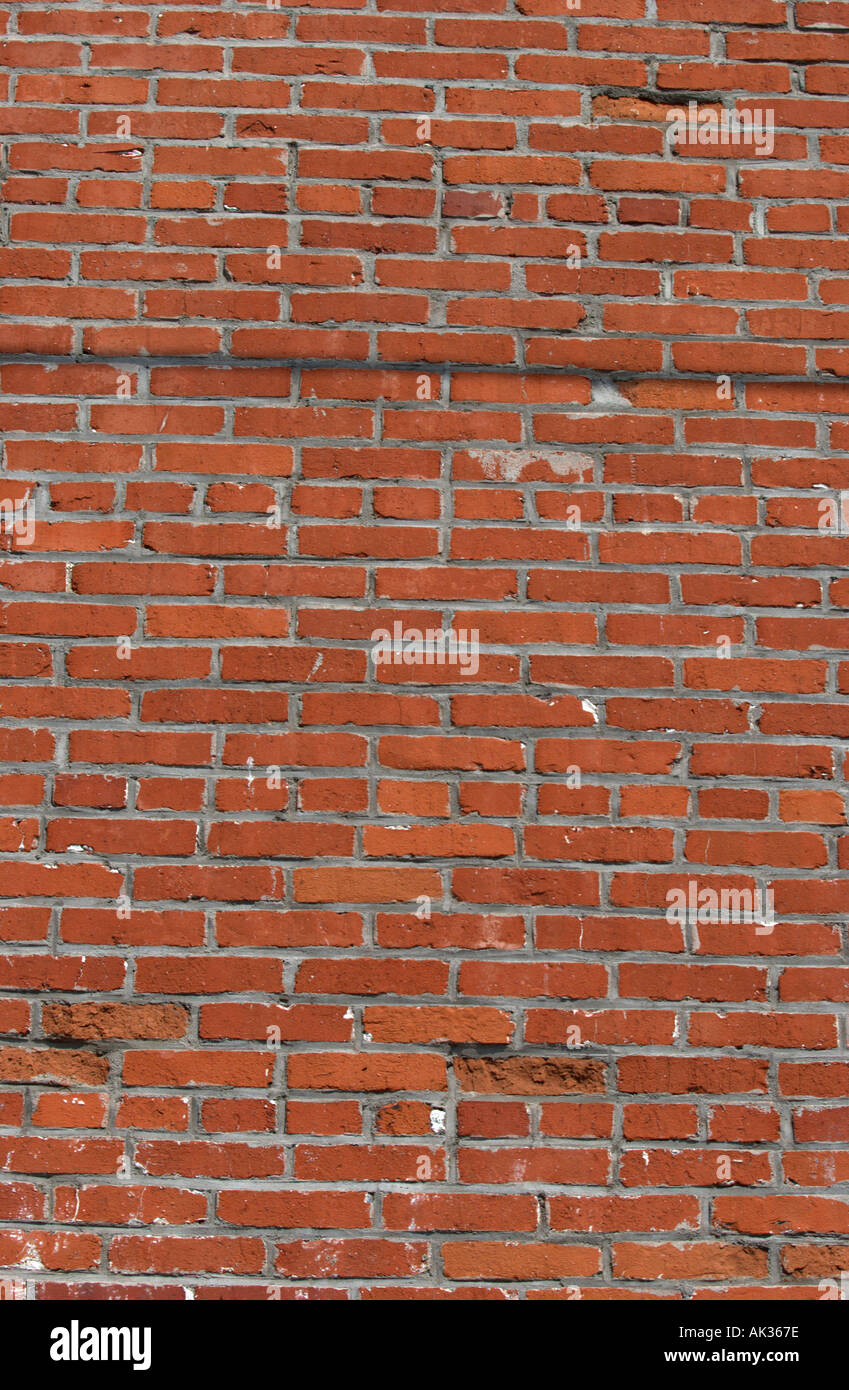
(337,977)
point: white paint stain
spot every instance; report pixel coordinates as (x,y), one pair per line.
(507,465)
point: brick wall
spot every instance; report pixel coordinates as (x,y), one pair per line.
(338,962)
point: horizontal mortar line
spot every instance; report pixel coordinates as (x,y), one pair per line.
(425,368)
